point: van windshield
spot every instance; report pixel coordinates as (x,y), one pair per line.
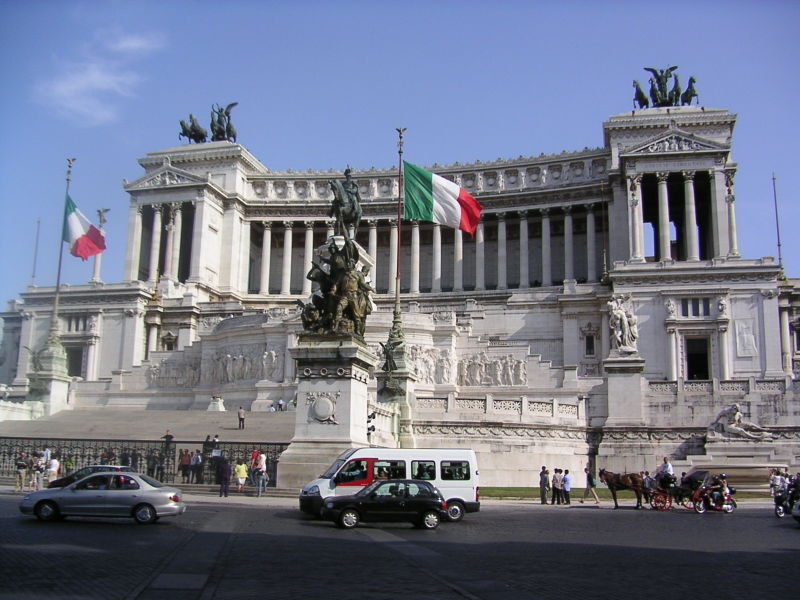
(332,469)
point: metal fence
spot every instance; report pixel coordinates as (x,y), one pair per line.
(156,458)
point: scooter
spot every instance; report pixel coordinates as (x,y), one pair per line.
(703,500)
(785,499)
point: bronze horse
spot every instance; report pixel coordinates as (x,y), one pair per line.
(623,481)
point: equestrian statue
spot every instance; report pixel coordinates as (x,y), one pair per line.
(346,205)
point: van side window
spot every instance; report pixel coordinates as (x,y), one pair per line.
(355,470)
(423,469)
(389,469)
(455,470)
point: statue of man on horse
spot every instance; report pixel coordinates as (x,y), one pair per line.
(346,205)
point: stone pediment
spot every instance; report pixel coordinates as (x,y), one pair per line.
(166,176)
(675,142)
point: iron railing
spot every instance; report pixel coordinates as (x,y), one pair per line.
(155,458)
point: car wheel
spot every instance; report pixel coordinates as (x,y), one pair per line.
(348,519)
(144,514)
(455,511)
(700,507)
(46,511)
(429,520)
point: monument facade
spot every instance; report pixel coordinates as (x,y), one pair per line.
(602,314)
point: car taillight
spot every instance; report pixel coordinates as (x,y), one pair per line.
(444,505)
(477,494)
(175,498)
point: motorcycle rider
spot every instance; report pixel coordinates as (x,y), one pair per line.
(718,489)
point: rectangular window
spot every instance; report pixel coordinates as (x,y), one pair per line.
(589,349)
(695,307)
(423,469)
(455,470)
(389,469)
(685,307)
(697,363)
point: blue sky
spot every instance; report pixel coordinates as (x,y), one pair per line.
(324,84)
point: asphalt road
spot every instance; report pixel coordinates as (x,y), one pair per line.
(264,548)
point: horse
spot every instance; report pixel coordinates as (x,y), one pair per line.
(639,96)
(623,481)
(686,97)
(193,131)
(345,208)
(675,92)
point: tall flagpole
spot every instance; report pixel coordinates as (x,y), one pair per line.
(400,132)
(52,338)
(777,222)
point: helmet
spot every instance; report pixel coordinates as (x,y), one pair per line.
(723,476)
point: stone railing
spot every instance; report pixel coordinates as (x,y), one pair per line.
(724,386)
(502,408)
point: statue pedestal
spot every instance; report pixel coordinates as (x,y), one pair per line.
(217,404)
(397,387)
(49,385)
(333,372)
(624,376)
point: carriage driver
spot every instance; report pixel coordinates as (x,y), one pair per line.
(664,469)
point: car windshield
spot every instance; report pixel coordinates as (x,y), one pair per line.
(152,482)
(332,469)
(371,487)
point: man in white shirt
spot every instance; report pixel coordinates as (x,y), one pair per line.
(664,469)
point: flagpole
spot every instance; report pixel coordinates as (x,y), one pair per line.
(777,222)
(400,132)
(53,335)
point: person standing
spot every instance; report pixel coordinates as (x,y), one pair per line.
(566,485)
(241,415)
(224,476)
(280,404)
(544,484)
(197,468)
(240,472)
(590,485)
(556,497)
(21,467)
(52,468)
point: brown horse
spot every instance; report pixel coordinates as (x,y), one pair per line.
(623,481)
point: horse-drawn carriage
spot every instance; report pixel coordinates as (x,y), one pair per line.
(667,491)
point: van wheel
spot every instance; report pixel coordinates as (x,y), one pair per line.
(455,511)
(348,519)
(429,520)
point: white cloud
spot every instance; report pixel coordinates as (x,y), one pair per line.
(88,91)
(134,43)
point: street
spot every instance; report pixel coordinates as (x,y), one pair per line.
(265,548)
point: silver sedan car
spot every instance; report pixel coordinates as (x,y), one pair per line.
(106,495)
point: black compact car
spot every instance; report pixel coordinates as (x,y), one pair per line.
(81,473)
(388,500)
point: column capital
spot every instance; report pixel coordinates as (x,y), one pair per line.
(688,175)
(729,176)
(501,216)
(309,225)
(288,224)
(589,208)
(157,208)
(414,223)
(523,214)
(267,224)
(662,176)
(393,223)
(330,223)
(545,212)
(567,209)
(633,182)
(372,223)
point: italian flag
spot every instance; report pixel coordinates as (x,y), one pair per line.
(84,239)
(429,197)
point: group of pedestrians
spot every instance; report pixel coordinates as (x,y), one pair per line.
(254,473)
(559,486)
(36,469)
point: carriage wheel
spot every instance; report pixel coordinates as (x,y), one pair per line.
(686,502)
(660,501)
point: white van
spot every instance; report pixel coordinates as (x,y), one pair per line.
(453,471)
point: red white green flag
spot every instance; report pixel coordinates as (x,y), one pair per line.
(430,197)
(84,239)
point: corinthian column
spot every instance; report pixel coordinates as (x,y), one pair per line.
(436,267)
(373,249)
(690,217)
(458,261)
(155,245)
(177,232)
(286,272)
(414,288)
(502,252)
(591,246)
(308,256)
(480,268)
(524,270)
(266,256)
(664,251)
(569,263)
(134,243)
(730,198)
(636,218)
(168,249)
(547,277)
